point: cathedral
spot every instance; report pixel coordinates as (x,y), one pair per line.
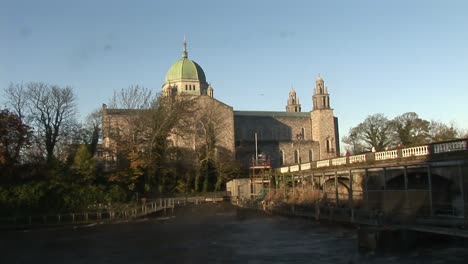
(284,137)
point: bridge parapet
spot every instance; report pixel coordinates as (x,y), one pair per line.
(384,155)
(450,146)
(415,151)
(306,166)
(294,168)
(339,161)
(357,158)
(323,163)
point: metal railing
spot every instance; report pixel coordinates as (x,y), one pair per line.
(131,211)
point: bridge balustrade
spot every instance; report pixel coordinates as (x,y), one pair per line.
(458,145)
(357,158)
(385,155)
(323,163)
(450,146)
(415,151)
(339,161)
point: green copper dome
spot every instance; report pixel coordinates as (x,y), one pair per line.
(185,69)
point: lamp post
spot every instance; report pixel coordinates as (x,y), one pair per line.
(353,139)
(299,137)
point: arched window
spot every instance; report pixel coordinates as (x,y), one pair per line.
(330,148)
(310,155)
(281,157)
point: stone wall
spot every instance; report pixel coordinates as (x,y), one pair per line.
(323,131)
(210,111)
(277,136)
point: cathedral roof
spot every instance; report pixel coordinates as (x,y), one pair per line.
(271,114)
(185,69)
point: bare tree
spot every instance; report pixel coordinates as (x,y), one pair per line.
(144,139)
(16,99)
(355,144)
(215,160)
(89,131)
(93,124)
(52,113)
(133,97)
(440,132)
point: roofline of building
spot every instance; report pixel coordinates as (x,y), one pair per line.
(271,113)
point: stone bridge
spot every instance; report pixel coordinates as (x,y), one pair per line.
(423,184)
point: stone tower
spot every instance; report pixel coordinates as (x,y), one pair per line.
(324,123)
(293,102)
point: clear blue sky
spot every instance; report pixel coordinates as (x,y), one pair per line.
(386,57)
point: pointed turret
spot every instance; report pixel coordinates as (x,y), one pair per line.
(210,91)
(321,98)
(293,102)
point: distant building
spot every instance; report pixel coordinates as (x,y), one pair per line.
(284,137)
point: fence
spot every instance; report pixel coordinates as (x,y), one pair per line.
(131,211)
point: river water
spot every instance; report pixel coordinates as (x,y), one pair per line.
(209,233)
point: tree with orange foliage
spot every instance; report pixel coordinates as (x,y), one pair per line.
(13,138)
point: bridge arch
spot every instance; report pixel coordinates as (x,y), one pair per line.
(342,187)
